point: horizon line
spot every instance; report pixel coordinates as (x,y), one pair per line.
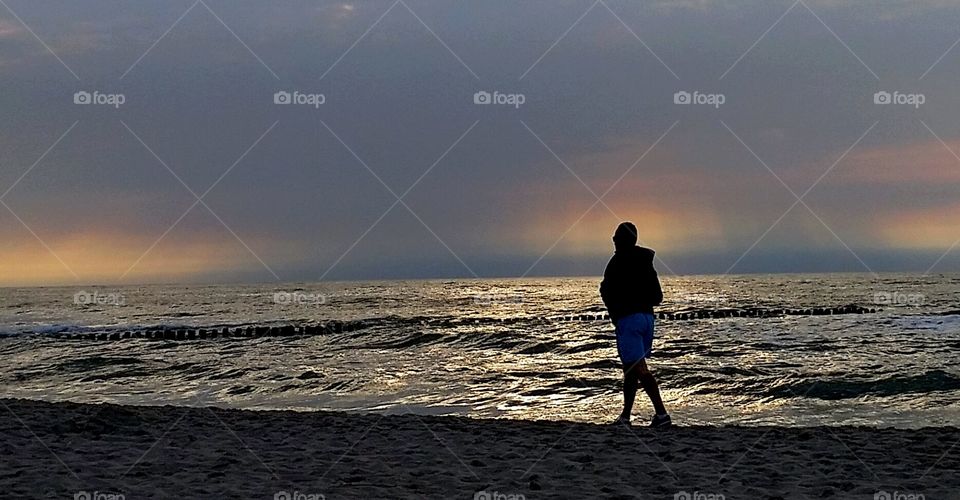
(464,278)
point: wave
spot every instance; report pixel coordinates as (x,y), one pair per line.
(947,321)
(755,385)
(928,382)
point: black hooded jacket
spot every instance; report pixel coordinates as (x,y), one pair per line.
(630,284)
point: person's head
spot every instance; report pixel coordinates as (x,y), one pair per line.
(625,235)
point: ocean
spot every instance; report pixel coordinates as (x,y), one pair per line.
(790,350)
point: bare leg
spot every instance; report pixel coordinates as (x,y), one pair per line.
(649,383)
(630,385)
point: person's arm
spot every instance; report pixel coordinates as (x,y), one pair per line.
(657,295)
(610,288)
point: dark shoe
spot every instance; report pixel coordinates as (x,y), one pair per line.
(621,421)
(661,421)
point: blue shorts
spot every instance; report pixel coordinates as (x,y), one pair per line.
(634,337)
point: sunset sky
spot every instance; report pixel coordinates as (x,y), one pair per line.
(109,194)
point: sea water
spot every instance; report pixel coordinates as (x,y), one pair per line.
(509,348)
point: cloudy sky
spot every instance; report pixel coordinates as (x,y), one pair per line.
(199,176)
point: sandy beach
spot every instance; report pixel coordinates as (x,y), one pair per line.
(66,450)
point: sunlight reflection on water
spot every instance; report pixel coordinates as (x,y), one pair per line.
(507,348)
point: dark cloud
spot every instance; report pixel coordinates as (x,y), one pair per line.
(400,100)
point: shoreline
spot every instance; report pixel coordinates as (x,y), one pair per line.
(57,450)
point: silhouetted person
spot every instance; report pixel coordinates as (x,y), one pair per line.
(630,289)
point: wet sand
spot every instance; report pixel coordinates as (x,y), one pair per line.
(60,450)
